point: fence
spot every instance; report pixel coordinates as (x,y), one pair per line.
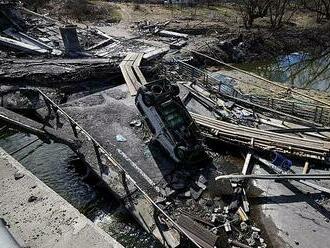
(123,179)
(308,111)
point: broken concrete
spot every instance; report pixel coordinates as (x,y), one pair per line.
(38,217)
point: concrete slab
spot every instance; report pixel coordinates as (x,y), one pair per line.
(112,116)
(298,219)
(39,217)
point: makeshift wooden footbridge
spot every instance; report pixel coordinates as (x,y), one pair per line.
(130,68)
(317,113)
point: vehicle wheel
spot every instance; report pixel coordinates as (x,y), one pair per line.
(148,99)
(175,89)
(180,152)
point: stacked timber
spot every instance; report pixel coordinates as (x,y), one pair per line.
(262,139)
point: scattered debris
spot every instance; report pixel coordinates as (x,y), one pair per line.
(135,123)
(32,198)
(20,46)
(120,138)
(211,207)
(18,175)
(167,33)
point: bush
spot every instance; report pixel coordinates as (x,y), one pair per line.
(77,8)
(35,4)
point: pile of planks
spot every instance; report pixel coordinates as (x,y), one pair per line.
(265,140)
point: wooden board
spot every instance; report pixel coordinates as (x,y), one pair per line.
(201,235)
(127,74)
(132,73)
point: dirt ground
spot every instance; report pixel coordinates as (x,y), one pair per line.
(208,26)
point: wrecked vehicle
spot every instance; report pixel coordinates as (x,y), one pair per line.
(169,121)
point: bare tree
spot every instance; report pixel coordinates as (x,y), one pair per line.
(35,4)
(320,7)
(277,12)
(77,8)
(253,9)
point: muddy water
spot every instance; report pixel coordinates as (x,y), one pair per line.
(52,163)
(302,70)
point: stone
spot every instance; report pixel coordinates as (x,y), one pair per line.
(202,179)
(187,194)
(169,191)
(160,199)
(120,138)
(135,123)
(18,175)
(229,104)
(255,235)
(196,193)
(201,185)
(32,198)
(244,226)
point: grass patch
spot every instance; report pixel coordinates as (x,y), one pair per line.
(91,10)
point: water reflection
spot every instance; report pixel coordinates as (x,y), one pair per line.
(51,163)
(301,70)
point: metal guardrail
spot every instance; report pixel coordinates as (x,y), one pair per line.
(316,113)
(77,129)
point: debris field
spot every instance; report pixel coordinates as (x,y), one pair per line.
(198,159)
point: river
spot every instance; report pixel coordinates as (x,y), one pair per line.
(301,70)
(53,164)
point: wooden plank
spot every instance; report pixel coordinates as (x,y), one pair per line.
(137,70)
(307,183)
(242,135)
(322,176)
(126,74)
(18,45)
(261,135)
(134,80)
(138,60)
(246,163)
(201,235)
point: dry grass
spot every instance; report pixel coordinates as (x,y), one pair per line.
(84,10)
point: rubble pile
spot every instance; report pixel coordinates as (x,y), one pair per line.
(219,208)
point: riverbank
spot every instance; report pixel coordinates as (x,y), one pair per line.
(38,217)
(216,29)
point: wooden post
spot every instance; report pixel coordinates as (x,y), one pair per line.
(306,167)
(246,163)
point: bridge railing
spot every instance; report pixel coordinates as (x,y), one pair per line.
(308,111)
(123,179)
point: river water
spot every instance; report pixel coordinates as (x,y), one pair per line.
(52,164)
(301,70)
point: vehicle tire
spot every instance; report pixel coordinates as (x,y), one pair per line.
(148,99)
(180,152)
(175,90)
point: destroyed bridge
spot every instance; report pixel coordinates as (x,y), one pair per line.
(285,143)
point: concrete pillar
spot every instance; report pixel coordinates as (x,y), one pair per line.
(70,40)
